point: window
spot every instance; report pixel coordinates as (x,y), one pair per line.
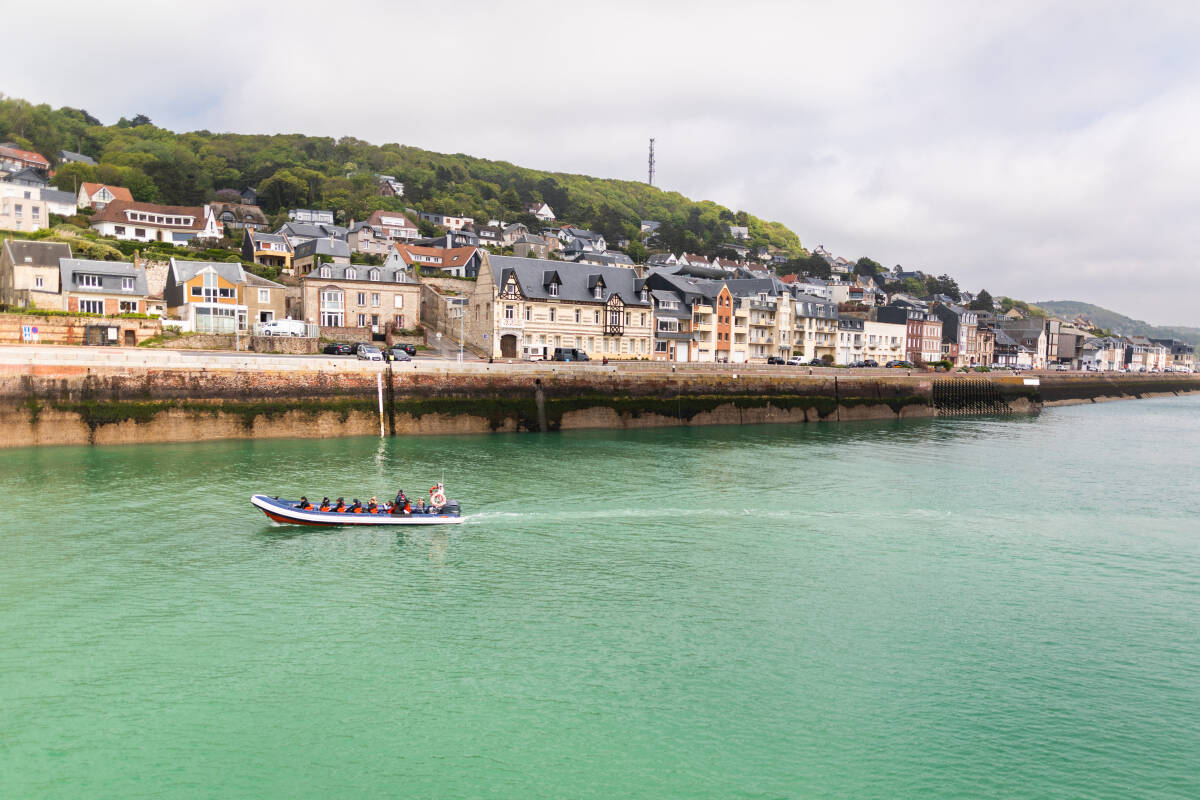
(643,319)
(264,295)
(597,319)
(126,284)
(399,320)
(17,209)
(645,295)
(577,315)
(398,301)
(91,306)
(129,306)
(351,274)
(90,281)
(139,233)
(528,312)
(552,315)
(37,212)
(362,320)
(554,290)
(39,282)
(375,299)
(375,276)
(119,230)
(598,292)
(197,291)
(225,292)
(326,272)
(362,298)
(509,312)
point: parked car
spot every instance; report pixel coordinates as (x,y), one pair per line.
(1061,367)
(795,361)
(775,360)
(410,349)
(897,364)
(285,327)
(870,363)
(398,353)
(816,362)
(337,349)
(369,352)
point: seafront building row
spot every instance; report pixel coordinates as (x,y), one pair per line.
(527,308)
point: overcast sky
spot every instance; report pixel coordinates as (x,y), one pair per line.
(1045,150)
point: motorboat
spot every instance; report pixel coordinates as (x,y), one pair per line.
(440,511)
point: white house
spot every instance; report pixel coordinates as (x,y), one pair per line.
(542,211)
(97,195)
(147,222)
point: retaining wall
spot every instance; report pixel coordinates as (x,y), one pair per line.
(74,405)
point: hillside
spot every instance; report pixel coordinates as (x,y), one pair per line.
(1119,323)
(294,170)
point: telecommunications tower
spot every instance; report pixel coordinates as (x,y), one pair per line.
(651,180)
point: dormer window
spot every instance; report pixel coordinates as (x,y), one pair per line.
(553,289)
(326,272)
(598,292)
(351,274)
(374,274)
(645,295)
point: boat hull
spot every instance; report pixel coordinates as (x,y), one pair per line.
(286,513)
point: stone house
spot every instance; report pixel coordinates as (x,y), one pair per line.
(29,273)
(102,287)
(371,299)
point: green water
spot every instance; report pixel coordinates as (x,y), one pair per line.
(951,608)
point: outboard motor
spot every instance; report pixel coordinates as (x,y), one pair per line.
(451,508)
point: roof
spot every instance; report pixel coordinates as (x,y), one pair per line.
(70,155)
(36,254)
(58,196)
(324,246)
(259,281)
(242,212)
(24,155)
(229,270)
(359,272)
(276,238)
(451,256)
(390,219)
(118,192)
(312,230)
(27,174)
(116,212)
(530,274)
(111,275)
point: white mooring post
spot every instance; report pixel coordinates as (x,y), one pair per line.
(379,387)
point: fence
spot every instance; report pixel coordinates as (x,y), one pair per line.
(311,330)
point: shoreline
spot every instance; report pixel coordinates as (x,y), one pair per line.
(72,403)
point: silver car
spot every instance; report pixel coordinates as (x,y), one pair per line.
(369,352)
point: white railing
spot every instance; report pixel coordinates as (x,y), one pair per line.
(311,330)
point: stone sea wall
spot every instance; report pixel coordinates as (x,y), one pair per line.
(67,404)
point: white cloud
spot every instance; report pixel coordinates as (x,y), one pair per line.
(1038,149)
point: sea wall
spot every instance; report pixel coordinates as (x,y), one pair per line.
(66,404)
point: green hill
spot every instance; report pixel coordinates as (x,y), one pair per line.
(1119,323)
(293,170)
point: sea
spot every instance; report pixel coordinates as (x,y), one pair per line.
(981,607)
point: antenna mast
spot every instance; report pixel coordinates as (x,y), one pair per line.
(651,181)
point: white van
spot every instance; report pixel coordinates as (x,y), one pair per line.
(285,327)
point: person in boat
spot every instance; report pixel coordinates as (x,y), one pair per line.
(355,507)
(372,506)
(324,505)
(341,505)
(401,506)
(421,505)
(304,504)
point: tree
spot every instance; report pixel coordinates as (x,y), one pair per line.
(867,266)
(983,302)
(637,251)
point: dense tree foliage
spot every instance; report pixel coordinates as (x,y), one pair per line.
(983,301)
(290,170)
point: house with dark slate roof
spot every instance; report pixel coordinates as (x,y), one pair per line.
(29,273)
(529,307)
(102,287)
